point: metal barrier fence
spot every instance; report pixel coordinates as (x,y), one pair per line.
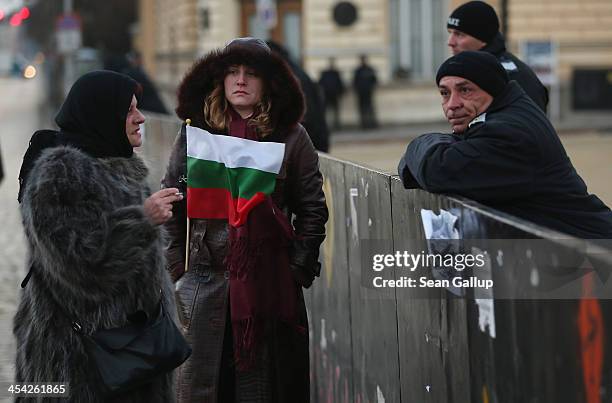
(408,345)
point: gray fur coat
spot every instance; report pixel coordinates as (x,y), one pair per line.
(98,258)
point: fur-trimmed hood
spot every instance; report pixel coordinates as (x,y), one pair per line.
(280,84)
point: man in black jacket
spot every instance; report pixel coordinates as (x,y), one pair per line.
(503,152)
(314,118)
(474,26)
(333,88)
(364,83)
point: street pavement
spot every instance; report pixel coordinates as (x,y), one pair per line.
(18,119)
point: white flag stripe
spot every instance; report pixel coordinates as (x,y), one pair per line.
(234,152)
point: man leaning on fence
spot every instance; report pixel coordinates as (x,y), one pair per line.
(503,152)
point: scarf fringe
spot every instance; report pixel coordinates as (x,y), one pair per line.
(262,289)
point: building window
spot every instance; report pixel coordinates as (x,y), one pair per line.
(205,18)
(288,28)
(418,37)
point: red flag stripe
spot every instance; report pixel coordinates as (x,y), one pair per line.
(218,204)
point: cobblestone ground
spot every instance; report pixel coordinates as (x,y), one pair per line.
(18,119)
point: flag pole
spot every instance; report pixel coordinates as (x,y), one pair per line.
(187,123)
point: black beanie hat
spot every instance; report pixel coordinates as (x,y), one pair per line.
(481,68)
(475,18)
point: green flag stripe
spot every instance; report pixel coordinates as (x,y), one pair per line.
(246,181)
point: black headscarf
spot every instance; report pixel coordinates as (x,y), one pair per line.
(91,119)
(93,115)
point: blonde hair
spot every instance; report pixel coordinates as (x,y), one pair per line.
(215,109)
(217,116)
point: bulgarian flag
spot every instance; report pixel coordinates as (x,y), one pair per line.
(228,176)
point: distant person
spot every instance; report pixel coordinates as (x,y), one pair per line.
(116,62)
(333,89)
(16,69)
(364,83)
(314,117)
(475,26)
(150,99)
(503,152)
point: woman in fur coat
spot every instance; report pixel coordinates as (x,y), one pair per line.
(241,297)
(94,237)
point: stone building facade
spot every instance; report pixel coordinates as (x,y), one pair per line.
(405,41)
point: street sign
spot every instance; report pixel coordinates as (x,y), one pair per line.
(266,12)
(541,56)
(68,33)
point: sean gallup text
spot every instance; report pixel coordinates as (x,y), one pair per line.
(424,282)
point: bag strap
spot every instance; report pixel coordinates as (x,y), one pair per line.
(74,323)
(26,279)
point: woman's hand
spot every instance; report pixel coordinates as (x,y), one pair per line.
(158,206)
(304,261)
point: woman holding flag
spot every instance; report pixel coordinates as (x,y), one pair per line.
(246,166)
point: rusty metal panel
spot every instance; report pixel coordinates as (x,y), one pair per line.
(373,311)
(329,299)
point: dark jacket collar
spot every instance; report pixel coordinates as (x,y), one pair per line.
(511,93)
(497,46)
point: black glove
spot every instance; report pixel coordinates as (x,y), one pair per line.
(304,262)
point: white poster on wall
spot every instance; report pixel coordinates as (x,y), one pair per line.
(541,56)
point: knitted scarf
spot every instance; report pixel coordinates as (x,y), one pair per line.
(262,289)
